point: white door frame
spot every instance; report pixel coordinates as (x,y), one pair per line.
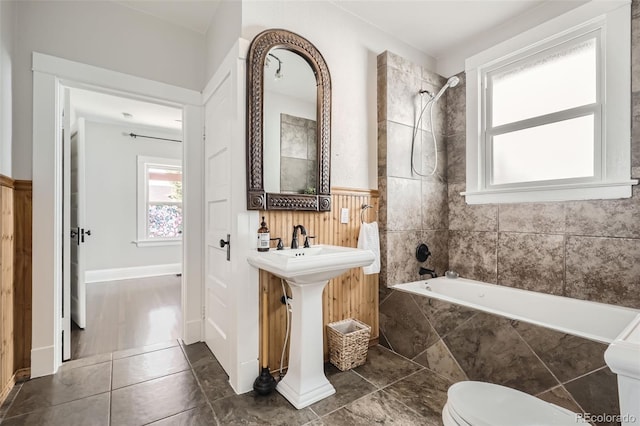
(49,73)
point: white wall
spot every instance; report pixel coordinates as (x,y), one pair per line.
(101,33)
(350,47)
(6,55)
(222,34)
(111,182)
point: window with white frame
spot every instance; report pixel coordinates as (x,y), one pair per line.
(548,112)
(159,200)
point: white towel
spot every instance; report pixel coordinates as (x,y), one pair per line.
(369,239)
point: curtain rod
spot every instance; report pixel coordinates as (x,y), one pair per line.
(133,135)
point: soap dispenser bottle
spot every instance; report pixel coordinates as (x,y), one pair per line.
(263,236)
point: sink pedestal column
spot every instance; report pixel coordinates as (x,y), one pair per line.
(305,382)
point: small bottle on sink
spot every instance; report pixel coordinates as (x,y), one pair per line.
(263,236)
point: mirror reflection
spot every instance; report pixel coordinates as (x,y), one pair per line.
(289,122)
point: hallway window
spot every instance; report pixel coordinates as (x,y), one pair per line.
(159,200)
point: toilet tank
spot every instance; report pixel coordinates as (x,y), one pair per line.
(623,358)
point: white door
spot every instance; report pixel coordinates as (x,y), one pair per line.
(78,224)
(66,228)
(217,187)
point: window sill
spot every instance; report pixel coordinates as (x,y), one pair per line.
(157,243)
(602,191)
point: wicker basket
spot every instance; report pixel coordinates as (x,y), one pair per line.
(348,343)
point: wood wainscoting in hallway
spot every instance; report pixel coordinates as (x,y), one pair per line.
(129,314)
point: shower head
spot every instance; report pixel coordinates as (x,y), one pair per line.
(452,82)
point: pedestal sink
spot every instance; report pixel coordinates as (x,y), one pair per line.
(307,271)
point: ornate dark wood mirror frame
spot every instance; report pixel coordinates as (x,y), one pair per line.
(257,198)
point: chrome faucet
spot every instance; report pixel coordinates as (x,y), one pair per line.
(424,271)
(294,238)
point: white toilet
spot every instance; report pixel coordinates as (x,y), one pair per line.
(485,404)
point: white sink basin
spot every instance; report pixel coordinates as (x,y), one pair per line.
(310,265)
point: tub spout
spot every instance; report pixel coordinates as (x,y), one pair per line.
(425,271)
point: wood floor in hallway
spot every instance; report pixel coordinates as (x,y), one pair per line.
(129,314)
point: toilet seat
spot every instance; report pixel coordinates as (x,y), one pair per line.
(485,404)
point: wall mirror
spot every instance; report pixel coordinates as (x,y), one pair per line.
(288,124)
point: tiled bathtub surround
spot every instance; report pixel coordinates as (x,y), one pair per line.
(581,249)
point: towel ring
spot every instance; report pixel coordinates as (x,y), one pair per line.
(363,210)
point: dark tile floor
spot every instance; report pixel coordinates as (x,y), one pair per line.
(172,384)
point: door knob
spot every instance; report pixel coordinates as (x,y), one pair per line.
(226,243)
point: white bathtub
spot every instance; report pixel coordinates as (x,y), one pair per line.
(595,321)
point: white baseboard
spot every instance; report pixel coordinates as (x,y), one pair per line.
(100,275)
(42,360)
(193,332)
(247,373)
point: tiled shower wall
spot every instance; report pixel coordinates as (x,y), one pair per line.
(585,250)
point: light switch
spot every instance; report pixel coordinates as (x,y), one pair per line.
(344,216)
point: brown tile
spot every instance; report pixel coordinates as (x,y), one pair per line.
(403,99)
(253,409)
(467,217)
(438,359)
(151,365)
(428,163)
(474,255)
(443,316)
(603,270)
(381,82)
(635,9)
(597,393)
(90,411)
(403,204)
(635,54)
(404,325)
(398,151)
(424,392)
(384,367)
(156,399)
(635,128)
(433,78)
(144,349)
(436,111)
(377,408)
(457,107)
(199,416)
(560,397)
(382,151)
(84,362)
(213,380)
(531,261)
(456,159)
(198,353)
(608,218)
(349,387)
(435,208)
(489,349)
(64,386)
(399,257)
(547,218)
(438,243)
(400,63)
(565,355)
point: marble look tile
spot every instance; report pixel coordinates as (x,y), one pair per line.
(8,400)
(560,397)
(466,217)
(349,387)
(399,257)
(489,349)
(403,204)
(474,255)
(404,325)
(456,158)
(439,109)
(384,367)
(398,151)
(213,380)
(382,151)
(253,409)
(84,362)
(548,218)
(144,349)
(565,355)
(438,243)
(379,408)
(433,78)
(91,411)
(605,218)
(293,140)
(456,108)
(198,354)
(139,368)
(381,83)
(403,98)
(199,416)
(293,174)
(531,261)
(635,172)
(429,158)
(383,204)
(635,9)
(397,62)
(438,359)
(635,54)
(596,393)
(424,392)
(635,128)
(445,317)
(64,386)
(603,270)
(435,208)
(156,399)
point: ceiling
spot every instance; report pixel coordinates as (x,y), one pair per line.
(195,15)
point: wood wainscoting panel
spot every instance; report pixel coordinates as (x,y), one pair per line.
(6,286)
(351,295)
(22,274)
